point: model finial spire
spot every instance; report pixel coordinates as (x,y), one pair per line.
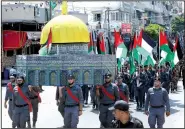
(64,7)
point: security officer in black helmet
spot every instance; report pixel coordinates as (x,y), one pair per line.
(108,94)
(123,117)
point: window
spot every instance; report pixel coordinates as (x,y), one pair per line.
(97,17)
(117,16)
(10,53)
(37,11)
(123,16)
(127,18)
(19,51)
(113,16)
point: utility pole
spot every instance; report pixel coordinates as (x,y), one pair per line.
(50,9)
(108,20)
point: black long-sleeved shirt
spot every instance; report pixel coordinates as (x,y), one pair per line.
(132,123)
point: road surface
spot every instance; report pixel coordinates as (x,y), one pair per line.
(49,117)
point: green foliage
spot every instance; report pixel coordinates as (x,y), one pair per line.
(177,24)
(152,30)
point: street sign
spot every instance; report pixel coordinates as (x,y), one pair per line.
(126,28)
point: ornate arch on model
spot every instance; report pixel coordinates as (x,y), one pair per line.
(31,77)
(53,78)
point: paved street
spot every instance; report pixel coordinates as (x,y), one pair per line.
(49,117)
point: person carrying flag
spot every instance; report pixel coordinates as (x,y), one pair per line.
(8,97)
(123,89)
(108,94)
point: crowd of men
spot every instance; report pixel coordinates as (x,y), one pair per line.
(148,85)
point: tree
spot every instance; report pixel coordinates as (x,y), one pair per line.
(152,30)
(177,24)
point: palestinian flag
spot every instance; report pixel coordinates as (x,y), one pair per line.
(100,44)
(135,53)
(166,53)
(131,56)
(145,45)
(173,58)
(149,60)
(117,39)
(91,44)
(121,51)
(164,43)
(47,46)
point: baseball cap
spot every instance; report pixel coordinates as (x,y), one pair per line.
(20,77)
(120,105)
(13,75)
(119,76)
(108,75)
(70,76)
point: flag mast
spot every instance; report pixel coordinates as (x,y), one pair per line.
(159,53)
(138,52)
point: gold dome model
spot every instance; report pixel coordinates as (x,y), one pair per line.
(65,29)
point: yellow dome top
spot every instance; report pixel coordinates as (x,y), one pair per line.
(65,29)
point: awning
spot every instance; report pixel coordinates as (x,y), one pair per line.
(13,39)
(33,35)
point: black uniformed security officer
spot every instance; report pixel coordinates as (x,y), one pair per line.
(127,81)
(123,117)
(123,88)
(164,76)
(139,83)
(108,94)
(152,73)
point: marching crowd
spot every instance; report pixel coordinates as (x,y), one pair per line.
(148,86)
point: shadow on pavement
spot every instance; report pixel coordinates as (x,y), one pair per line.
(176,103)
(139,110)
(173,111)
(95,111)
(86,106)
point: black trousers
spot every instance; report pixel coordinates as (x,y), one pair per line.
(131,91)
(85,90)
(139,97)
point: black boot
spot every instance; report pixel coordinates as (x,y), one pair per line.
(29,124)
(13,125)
(34,124)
